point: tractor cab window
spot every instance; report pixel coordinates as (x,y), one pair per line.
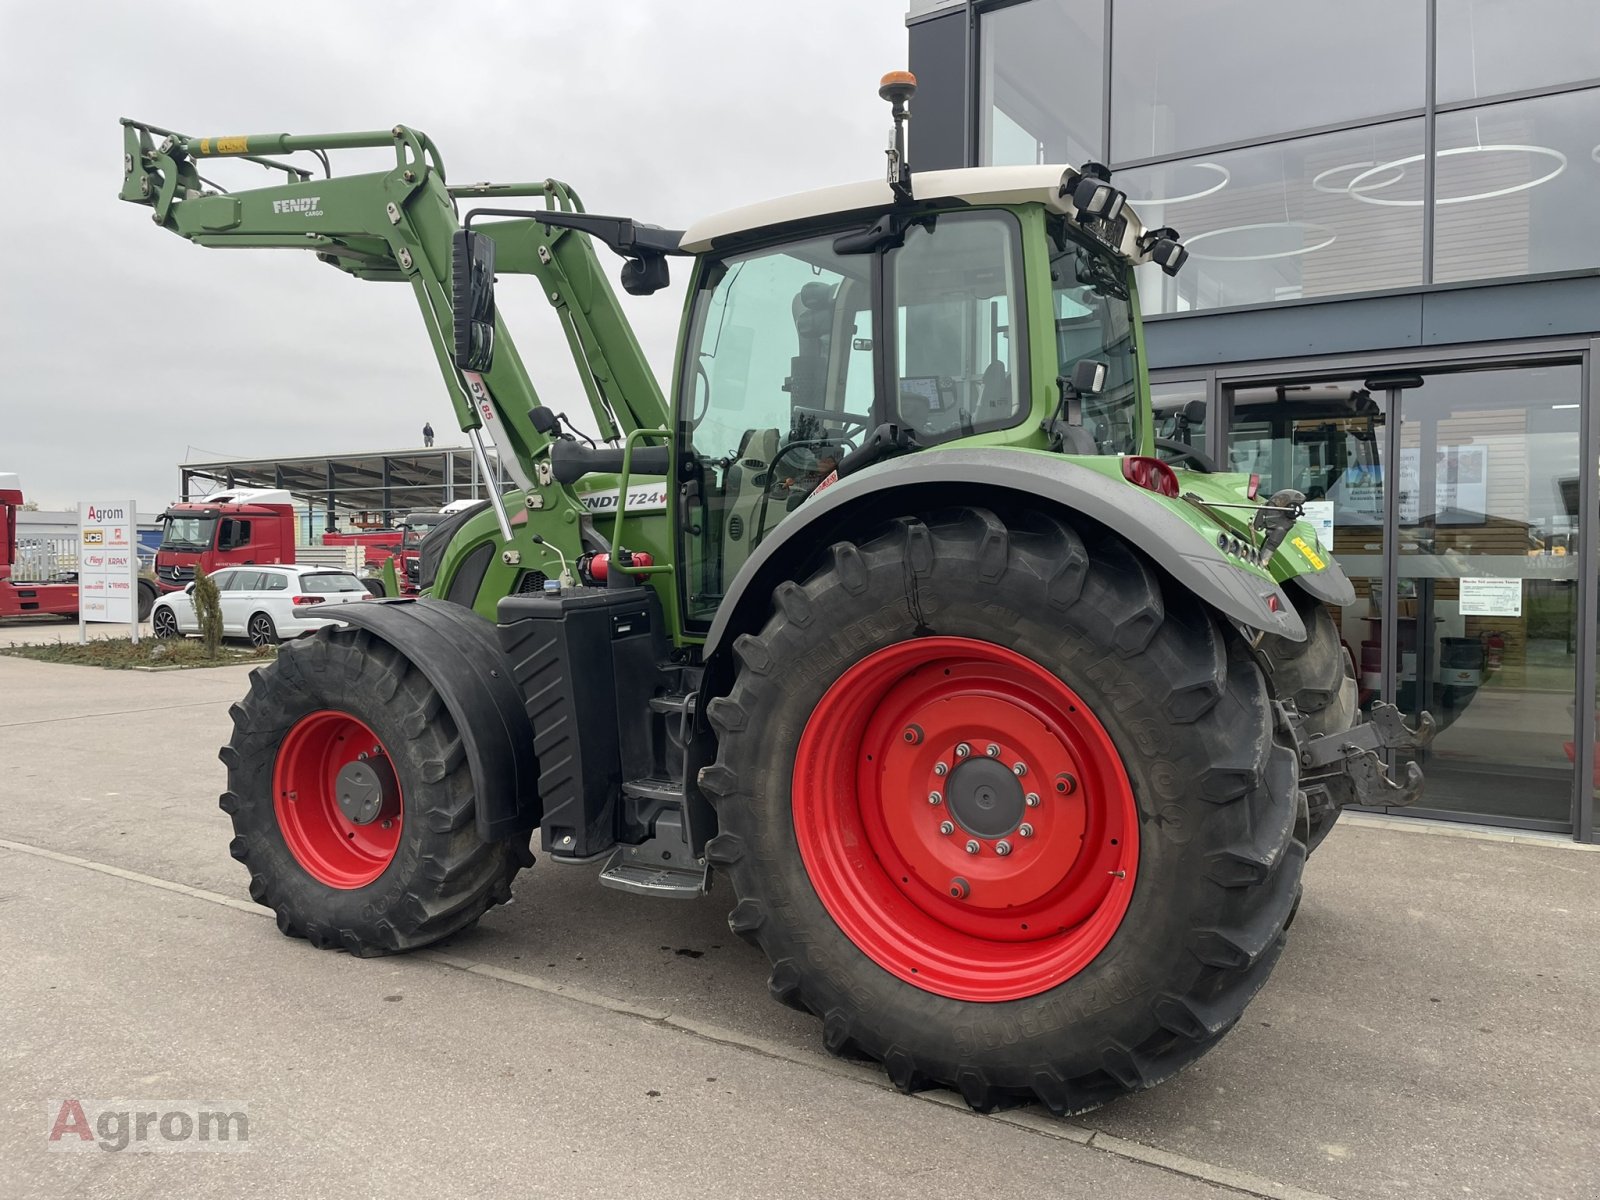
(778,382)
(795,353)
(958,358)
(1094,320)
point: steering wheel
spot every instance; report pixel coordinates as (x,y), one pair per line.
(1182,450)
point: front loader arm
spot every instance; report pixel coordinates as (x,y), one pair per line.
(397,226)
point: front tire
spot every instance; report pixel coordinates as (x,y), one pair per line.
(352,801)
(164,624)
(1066,970)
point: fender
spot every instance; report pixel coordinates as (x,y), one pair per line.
(965,475)
(1330,585)
(460,654)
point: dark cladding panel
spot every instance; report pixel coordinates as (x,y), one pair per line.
(1290,331)
(938,58)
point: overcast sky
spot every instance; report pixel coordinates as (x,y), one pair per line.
(125,350)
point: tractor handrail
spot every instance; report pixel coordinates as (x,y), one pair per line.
(634,436)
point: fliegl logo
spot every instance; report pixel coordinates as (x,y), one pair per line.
(310,206)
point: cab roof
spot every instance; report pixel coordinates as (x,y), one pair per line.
(969,185)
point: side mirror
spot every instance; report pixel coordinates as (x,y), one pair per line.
(188,588)
(472,298)
(1088,377)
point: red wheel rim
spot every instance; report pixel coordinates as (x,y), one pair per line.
(886,803)
(315,761)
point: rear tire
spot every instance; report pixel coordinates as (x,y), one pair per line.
(1212,797)
(1318,676)
(426,876)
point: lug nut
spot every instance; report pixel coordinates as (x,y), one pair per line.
(1031,799)
(946,828)
(1002,848)
(941,769)
(1024,830)
(972,846)
(935,798)
(962,750)
(1019,769)
(993,751)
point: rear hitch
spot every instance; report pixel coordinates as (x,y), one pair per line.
(1352,758)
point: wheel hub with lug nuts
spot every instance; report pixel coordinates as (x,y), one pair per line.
(365,788)
(985,798)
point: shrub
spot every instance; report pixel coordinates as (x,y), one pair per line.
(208,610)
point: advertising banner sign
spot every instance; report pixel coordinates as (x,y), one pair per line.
(108,565)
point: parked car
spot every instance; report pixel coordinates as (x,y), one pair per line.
(258,603)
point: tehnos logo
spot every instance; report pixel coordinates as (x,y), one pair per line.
(306,205)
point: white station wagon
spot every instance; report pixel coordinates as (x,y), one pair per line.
(259,602)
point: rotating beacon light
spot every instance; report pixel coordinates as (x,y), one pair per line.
(897,87)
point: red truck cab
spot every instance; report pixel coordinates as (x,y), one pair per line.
(229,529)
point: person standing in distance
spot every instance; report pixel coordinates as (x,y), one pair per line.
(427,433)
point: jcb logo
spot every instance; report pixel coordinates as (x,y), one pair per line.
(300,204)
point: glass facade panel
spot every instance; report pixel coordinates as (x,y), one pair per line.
(1327,440)
(1516,187)
(1286,221)
(1490,47)
(1487,588)
(1042,79)
(1207,72)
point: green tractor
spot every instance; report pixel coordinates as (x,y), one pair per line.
(1007,738)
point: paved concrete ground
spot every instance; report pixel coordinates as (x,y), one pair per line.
(1430,1032)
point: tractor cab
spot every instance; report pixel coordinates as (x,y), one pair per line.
(838,328)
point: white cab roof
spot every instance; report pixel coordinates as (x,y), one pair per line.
(975,185)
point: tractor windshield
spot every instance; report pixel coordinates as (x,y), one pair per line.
(1094,321)
(187,533)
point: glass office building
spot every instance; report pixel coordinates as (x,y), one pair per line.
(1392,303)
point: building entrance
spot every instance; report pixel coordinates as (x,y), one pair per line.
(1450,498)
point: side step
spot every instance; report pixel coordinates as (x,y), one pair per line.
(664,864)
